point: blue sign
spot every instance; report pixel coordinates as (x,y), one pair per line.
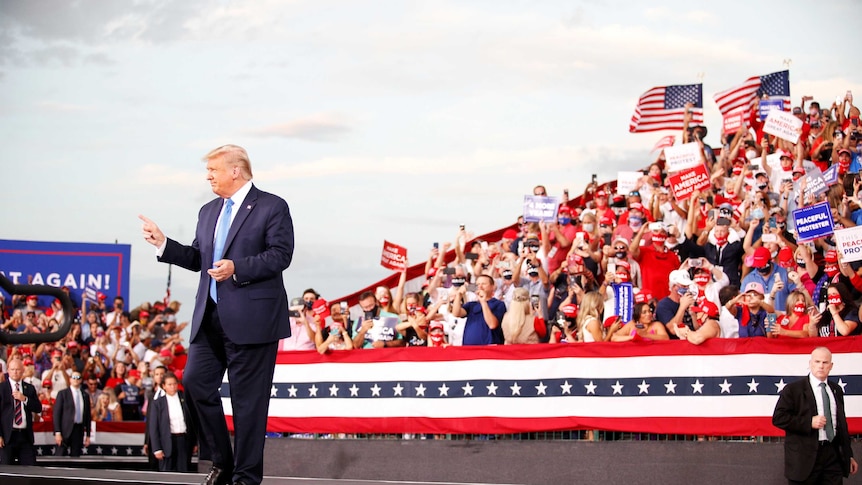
(767,105)
(103,267)
(624,301)
(813,221)
(538,208)
(830,176)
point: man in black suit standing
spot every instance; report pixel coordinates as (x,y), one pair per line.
(18,402)
(72,418)
(169,424)
(811,412)
(243,243)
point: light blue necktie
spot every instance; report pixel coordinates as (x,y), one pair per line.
(220,238)
(78,406)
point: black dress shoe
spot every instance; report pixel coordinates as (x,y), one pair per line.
(216,476)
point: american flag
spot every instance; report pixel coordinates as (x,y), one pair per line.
(724,387)
(663,108)
(775,85)
(106,439)
(664,142)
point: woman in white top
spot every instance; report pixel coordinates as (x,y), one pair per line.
(590,318)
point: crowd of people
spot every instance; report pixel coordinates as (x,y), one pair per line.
(723,262)
(113,364)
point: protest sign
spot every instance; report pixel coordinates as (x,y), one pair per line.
(383,329)
(830,176)
(627,181)
(320,308)
(624,301)
(394,257)
(538,208)
(849,243)
(813,222)
(773,160)
(681,157)
(683,184)
(814,183)
(767,105)
(733,121)
(783,125)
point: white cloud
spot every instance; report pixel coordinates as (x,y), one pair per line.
(319,127)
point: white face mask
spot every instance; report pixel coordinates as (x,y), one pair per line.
(751,154)
(589,227)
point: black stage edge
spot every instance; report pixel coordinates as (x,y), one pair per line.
(323,462)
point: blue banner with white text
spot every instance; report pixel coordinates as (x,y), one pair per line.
(103,267)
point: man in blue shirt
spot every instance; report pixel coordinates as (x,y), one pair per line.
(772,278)
(483,316)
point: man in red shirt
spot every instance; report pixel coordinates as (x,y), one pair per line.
(655,260)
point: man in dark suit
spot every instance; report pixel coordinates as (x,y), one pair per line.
(244,241)
(18,402)
(72,418)
(811,412)
(169,425)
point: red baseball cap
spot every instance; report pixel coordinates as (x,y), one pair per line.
(606,221)
(785,258)
(761,257)
(570,310)
(831,256)
(510,234)
(708,307)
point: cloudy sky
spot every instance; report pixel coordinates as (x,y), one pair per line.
(377,120)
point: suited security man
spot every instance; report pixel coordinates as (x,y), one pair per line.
(811,412)
(18,402)
(72,418)
(169,425)
(244,241)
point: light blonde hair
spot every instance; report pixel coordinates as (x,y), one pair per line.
(591,305)
(517,328)
(233,155)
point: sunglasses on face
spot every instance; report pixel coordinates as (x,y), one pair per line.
(620,248)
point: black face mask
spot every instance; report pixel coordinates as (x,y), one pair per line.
(308,304)
(458,282)
(781,225)
(370,314)
(620,254)
(766,269)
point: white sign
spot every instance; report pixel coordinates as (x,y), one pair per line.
(627,181)
(849,243)
(783,125)
(773,160)
(681,157)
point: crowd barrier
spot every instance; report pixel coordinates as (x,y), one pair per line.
(120,439)
(725,387)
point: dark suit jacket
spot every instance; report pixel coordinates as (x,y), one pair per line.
(796,406)
(7,409)
(64,413)
(159,425)
(260,244)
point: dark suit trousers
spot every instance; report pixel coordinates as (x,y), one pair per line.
(74,444)
(181,458)
(19,448)
(827,467)
(250,369)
